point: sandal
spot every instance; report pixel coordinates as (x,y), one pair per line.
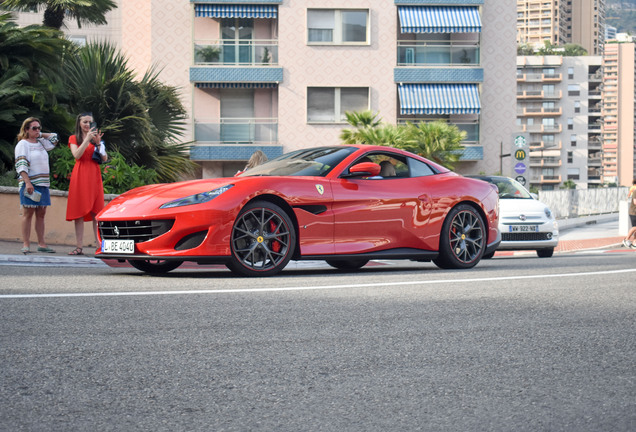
(76,251)
(46,249)
(25,250)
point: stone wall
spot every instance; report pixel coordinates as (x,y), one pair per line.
(57,230)
(573,203)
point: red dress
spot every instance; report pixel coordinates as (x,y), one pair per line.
(86,191)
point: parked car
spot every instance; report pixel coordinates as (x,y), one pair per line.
(524,221)
(324,203)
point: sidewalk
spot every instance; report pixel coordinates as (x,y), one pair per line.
(581,234)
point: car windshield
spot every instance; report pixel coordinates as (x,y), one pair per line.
(509,188)
(308,162)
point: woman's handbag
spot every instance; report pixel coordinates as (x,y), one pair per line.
(97,156)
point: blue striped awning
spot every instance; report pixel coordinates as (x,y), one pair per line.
(439,19)
(234,85)
(439,99)
(235,11)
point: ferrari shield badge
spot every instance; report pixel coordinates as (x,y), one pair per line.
(320,188)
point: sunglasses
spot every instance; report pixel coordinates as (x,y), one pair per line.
(36,128)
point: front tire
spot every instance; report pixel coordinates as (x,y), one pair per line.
(462,240)
(545,253)
(155,266)
(263,240)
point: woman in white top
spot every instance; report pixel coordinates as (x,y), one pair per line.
(32,165)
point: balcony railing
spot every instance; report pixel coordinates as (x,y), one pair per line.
(471,129)
(412,53)
(233,53)
(237,130)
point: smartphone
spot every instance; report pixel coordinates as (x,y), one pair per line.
(93,125)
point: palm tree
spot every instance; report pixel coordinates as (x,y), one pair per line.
(30,81)
(141,119)
(55,11)
(437,141)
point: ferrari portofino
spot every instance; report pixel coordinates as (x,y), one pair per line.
(345,204)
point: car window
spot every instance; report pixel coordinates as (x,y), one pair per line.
(307,162)
(391,165)
(419,168)
(510,189)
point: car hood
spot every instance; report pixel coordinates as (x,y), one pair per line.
(146,199)
(517,206)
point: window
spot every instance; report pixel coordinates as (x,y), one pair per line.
(570,73)
(337,26)
(329,104)
(570,123)
(570,157)
(574,90)
(573,140)
(577,106)
(573,174)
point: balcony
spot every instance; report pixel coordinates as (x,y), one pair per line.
(545,162)
(542,128)
(538,77)
(237,131)
(540,111)
(230,53)
(414,53)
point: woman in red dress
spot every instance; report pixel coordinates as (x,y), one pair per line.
(86,191)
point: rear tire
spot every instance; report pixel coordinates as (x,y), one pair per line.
(462,240)
(352,264)
(155,266)
(545,253)
(263,240)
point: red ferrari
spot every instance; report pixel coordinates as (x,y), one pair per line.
(345,204)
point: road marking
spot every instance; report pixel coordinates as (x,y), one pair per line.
(310,288)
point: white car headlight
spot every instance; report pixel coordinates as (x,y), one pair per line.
(197,198)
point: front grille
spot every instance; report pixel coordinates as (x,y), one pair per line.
(138,230)
(526,236)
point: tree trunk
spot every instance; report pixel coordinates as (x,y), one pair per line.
(54,17)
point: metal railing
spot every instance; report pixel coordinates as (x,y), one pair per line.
(413,53)
(237,53)
(237,130)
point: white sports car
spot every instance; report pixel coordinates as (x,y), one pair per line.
(525,222)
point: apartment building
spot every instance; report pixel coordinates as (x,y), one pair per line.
(279,75)
(619,113)
(559,22)
(559,107)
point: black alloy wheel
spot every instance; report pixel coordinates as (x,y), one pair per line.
(263,240)
(462,240)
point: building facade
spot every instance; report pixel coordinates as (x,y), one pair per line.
(560,22)
(619,113)
(559,108)
(279,75)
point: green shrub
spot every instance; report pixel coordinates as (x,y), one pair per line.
(117,175)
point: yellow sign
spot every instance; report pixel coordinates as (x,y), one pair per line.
(520,154)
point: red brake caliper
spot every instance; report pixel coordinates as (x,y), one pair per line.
(275,244)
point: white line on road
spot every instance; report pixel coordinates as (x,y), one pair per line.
(310,288)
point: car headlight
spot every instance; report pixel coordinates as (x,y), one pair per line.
(197,198)
(547,212)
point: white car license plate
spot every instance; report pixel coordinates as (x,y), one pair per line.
(523,228)
(118,246)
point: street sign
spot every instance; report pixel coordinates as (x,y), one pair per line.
(520,168)
(520,154)
(521,179)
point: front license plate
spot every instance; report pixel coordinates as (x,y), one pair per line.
(118,246)
(523,228)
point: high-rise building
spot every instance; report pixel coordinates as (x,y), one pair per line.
(560,22)
(559,108)
(278,75)
(619,113)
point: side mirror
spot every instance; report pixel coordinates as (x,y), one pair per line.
(364,169)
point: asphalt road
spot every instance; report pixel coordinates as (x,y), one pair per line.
(516,344)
